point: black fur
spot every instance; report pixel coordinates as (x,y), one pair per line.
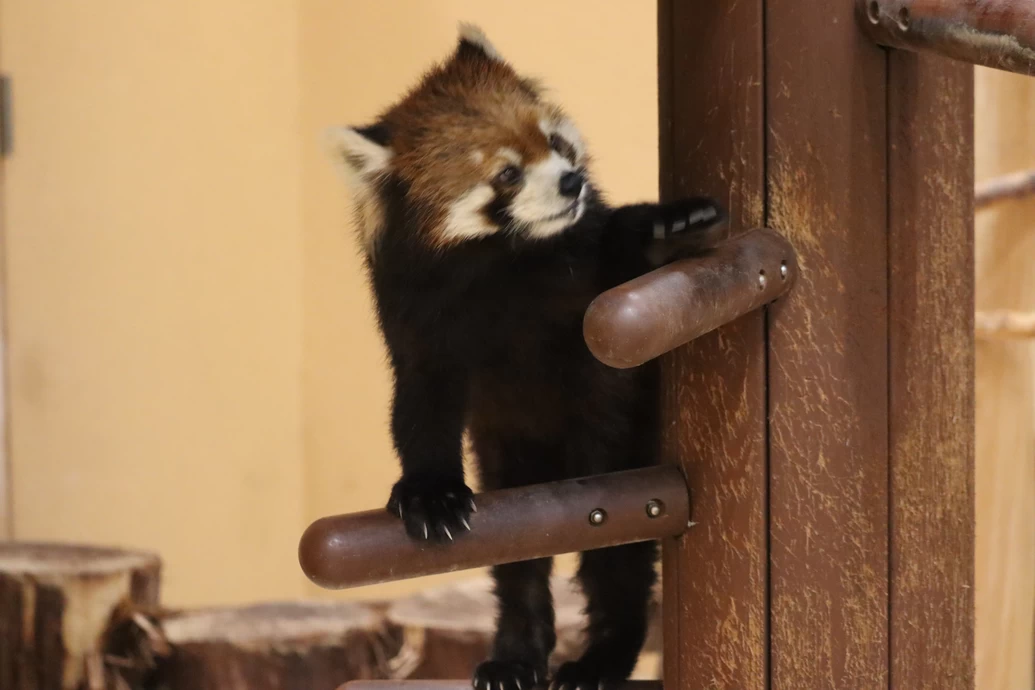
(487,336)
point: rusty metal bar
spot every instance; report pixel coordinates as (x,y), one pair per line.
(510,525)
(656,313)
(994,33)
(465,685)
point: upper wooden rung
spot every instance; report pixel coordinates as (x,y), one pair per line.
(993,33)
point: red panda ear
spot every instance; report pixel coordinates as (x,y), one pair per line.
(361,154)
(474,43)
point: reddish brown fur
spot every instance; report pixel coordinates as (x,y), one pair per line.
(459,110)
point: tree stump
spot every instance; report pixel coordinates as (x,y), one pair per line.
(448,630)
(275,646)
(58,605)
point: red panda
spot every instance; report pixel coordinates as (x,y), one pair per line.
(485,239)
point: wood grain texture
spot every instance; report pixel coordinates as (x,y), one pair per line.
(828,376)
(931,331)
(58,606)
(276,646)
(994,33)
(712,138)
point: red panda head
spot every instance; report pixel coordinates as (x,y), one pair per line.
(478,150)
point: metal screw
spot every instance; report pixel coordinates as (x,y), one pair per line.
(784,270)
(903,19)
(655,508)
(597,517)
(761,280)
(873,11)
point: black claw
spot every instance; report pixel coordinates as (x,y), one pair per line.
(505,675)
(432,508)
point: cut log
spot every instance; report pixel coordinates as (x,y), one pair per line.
(58,606)
(275,646)
(447,631)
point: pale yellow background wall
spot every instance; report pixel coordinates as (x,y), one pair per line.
(1005,245)
(154,266)
(194,367)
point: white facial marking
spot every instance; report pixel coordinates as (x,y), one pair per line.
(566,130)
(540,204)
(465,219)
(509,155)
(473,34)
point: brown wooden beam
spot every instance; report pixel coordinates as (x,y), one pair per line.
(510,525)
(667,308)
(715,599)
(826,88)
(993,33)
(1004,324)
(931,366)
(1016,185)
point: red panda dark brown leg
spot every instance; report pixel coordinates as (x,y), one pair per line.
(431,498)
(525,635)
(617,582)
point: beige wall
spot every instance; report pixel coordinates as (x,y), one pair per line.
(1005,244)
(193,363)
(154,268)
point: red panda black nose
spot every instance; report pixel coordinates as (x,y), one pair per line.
(571,184)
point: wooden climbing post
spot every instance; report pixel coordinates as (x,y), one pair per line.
(828,443)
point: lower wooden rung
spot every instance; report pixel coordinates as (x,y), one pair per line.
(464,685)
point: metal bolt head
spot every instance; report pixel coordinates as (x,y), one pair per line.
(783,269)
(761,280)
(597,517)
(655,508)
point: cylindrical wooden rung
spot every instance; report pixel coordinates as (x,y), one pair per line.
(510,525)
(993,33)
(657,312)
(465,685)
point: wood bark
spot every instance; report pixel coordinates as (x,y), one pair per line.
(59,605)
(1005,239)
(275,646)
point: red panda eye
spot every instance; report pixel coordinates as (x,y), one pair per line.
(556,143)
(509,175)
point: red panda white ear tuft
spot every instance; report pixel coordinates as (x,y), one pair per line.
(474,41)
(361,154)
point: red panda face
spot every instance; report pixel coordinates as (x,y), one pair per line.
(478,150)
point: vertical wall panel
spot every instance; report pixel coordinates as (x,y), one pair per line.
(712,142)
